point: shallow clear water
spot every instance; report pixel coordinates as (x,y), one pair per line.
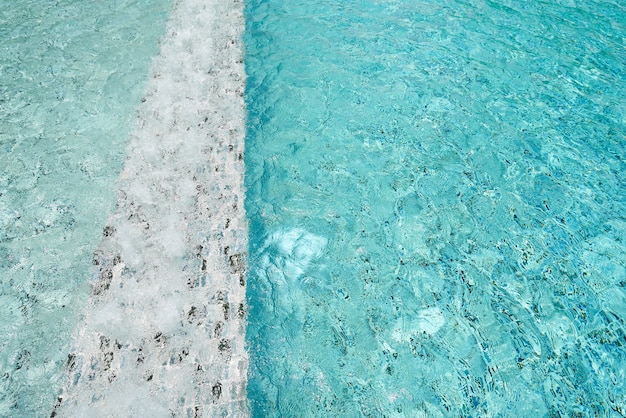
(437,200)
(162,333)
(72,74)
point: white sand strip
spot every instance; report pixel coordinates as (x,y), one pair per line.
(163,334)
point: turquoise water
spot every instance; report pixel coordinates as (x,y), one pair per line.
(437,203)
(72,74)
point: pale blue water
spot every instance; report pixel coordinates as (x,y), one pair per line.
(72,74)
(437,199)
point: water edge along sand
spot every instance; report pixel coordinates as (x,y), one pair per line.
(163,332)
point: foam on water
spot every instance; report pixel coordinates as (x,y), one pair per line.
(163,332)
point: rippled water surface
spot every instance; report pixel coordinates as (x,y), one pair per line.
(72,73)
(438,208)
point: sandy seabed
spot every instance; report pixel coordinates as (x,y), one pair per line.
(163,333)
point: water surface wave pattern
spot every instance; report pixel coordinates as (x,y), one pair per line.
(72,74)
(436,196)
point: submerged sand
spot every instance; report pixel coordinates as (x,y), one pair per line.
(163,333)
